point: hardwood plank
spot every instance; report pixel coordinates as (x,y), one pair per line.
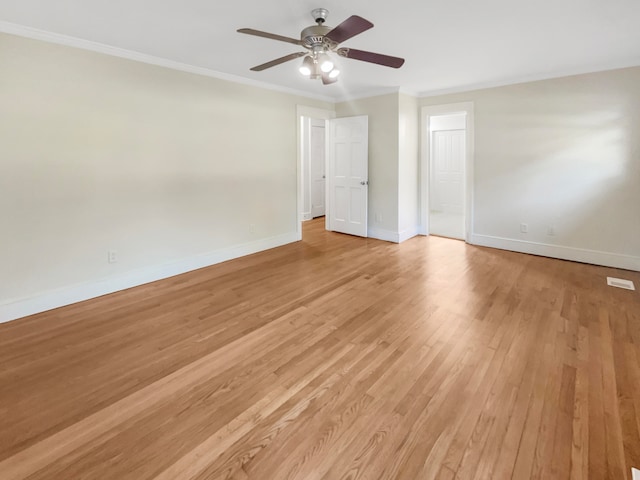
(335,357)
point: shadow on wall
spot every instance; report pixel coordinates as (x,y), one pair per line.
(572,178)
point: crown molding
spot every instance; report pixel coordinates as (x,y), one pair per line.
(375,92)
(532,78)
(409,92)
(51,37)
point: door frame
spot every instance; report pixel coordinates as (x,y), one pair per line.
(313,112)
(425,162)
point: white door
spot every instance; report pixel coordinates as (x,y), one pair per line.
(447,179)
(348,175)
(317,165)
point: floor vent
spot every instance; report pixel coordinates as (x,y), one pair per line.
(620,283)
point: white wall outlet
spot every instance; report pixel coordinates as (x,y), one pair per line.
(112,256)
(378,217)
(252,228)
(524,228)
(551,230)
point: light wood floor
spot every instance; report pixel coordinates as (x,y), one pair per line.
(333,358)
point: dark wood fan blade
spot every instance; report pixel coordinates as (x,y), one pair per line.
(278,61)
(351,27)
(272,36)
(380,59)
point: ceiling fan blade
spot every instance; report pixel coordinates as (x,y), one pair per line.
(380,59)
(277,61)
(272,36)
(351,27)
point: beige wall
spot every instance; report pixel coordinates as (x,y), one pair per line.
(383,156)
(561,153)
(393,162)
(168,168)
(408,178)
(102,153)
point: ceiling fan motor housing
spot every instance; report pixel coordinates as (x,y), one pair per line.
(313,37)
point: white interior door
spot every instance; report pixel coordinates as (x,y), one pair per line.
(348,175)
(447,179)
(317,167)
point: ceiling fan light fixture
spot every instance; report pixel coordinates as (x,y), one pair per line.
(314,66)
(328,80)
(304,70)
(307,67)
(326,64)
(321,43)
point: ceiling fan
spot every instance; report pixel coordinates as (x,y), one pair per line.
(321,40)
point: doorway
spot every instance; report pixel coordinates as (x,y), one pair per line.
(313,168)
(446,181)
(304,116)
(446,164)
(344,175)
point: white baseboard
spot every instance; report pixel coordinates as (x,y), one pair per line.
(391,236)
(595,257)
(408,233)
(18,308)
(382,234)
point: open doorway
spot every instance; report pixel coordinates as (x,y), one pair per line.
(446,178)
(311,178)
(313,168)
(447,139)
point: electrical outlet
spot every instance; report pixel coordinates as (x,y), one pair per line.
(524,228)
(551,230)
(112,256)
(252,228)
(378,217)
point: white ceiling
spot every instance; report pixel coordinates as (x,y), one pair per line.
(448,44)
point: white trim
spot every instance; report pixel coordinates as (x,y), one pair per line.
(375,92)
(425,154)
(408,233)
(390,235)
(313,112)
(382,234)
(582,255)
(18,308)
(603,67)
(406,91)
(635,473)
(36,34)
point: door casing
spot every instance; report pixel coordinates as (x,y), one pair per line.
(425,161)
